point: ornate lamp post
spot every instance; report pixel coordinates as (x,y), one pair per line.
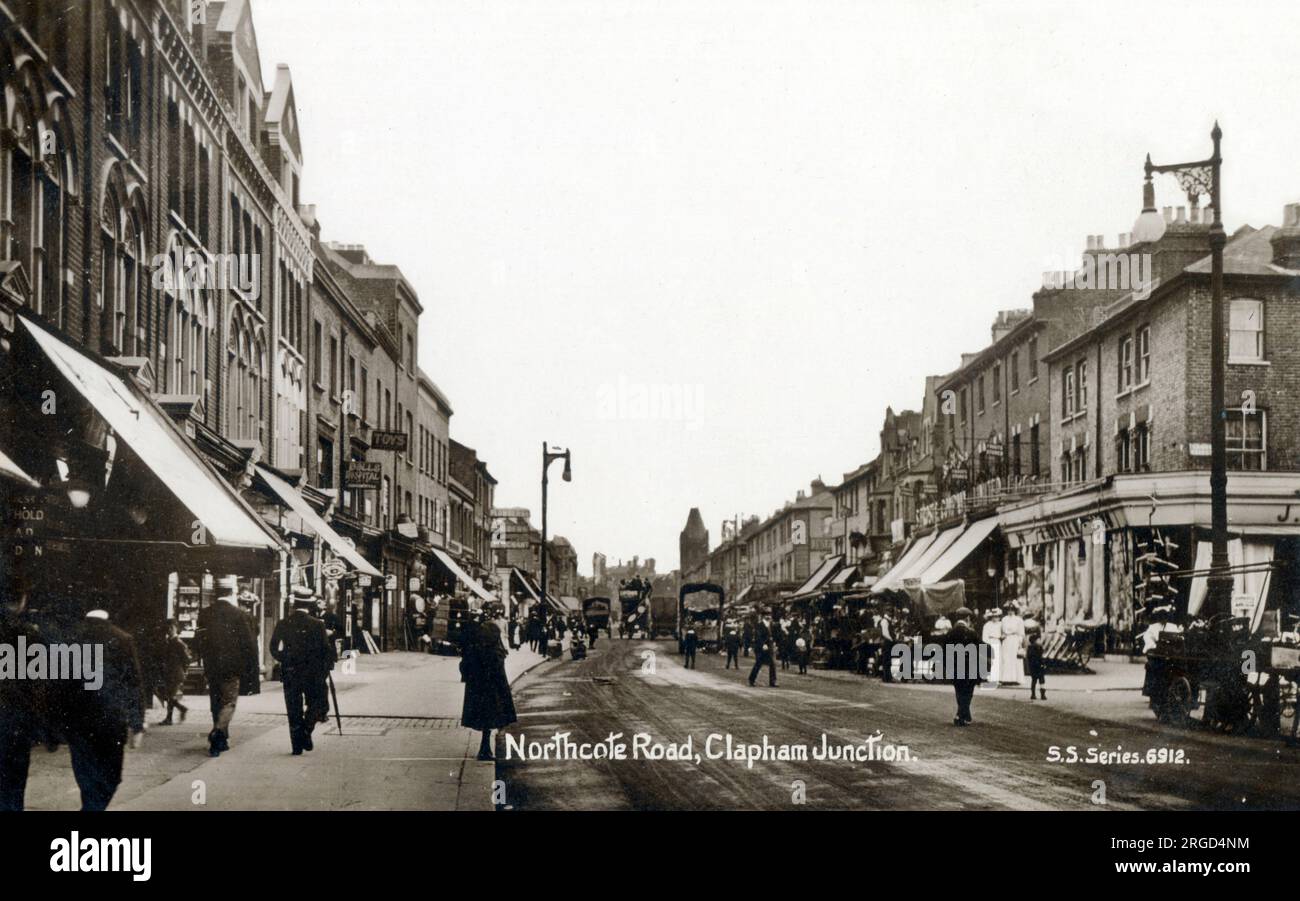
(1196,179)
(548,457)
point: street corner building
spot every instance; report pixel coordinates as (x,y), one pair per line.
(201,398)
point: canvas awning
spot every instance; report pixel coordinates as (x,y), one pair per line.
(1249,559)
(294,500)
(522,578)
(958,550)
(572,604)
(893,578)
(11,470)
(936,550)
(820,575)
(465,578)
(844,578)
(143,427)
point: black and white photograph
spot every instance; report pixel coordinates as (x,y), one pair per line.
(530,419)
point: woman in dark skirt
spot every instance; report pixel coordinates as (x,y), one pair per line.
(488,702)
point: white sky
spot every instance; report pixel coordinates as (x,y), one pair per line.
(786,212)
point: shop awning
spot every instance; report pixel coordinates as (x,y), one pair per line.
(936,550)
(893,578)
(572,604)
(522,578)
(958,551)
(465,578)
(139,423)
(744,593)
(843,578)
(11,470)
(820,575)
(294,500)
(1249,561)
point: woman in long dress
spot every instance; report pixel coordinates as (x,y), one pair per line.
(488,702)
(1013,635)
(992,636)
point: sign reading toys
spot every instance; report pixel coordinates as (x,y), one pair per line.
(388,441)
(363,476)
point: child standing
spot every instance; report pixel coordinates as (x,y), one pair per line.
(1034,663)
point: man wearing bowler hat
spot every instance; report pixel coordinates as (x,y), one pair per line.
(764,650)
(963,640)
(303,649)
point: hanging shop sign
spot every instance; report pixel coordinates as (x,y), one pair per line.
(333,569)
(362,475)
(384,440)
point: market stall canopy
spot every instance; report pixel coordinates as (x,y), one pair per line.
(556,604)
(894,577)
(465,578)
(936,550)
(844,578)
(11,470)
(294,500)
(744,593)
(572,604)
(820,575)
(143,427)
(957,551)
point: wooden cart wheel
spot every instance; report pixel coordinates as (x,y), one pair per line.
(1176,708)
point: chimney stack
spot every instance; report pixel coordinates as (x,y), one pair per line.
(1286,240)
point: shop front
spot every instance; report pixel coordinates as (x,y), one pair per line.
(117,508)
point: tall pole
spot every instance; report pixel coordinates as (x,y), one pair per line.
(1219,584)
(546,462)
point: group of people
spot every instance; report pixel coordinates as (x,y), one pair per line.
(542,630)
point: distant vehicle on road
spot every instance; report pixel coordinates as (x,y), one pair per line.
(702,603)
(596,612)
(634,606)
(663,616)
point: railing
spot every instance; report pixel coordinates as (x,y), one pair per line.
(990,493)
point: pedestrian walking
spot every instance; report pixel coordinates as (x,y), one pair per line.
(748,634)
(803,650)
(488,703)
(229,653)
(690,643)
(764,651)
(100,724)
(886,646)
(732,644)
(174,657)
(23,703)
(963,639)
(992,636)
(1037,669)
(302,647)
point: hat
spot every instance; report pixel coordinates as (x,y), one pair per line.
(963,612)
(302,591)
(992,613)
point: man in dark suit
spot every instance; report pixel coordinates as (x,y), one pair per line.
(22,703)
(301,645)
(229,652)
(101,721)
(968,650)
(732,642)
(690,641)
(764,650)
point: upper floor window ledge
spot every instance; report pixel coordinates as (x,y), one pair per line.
(1247,362)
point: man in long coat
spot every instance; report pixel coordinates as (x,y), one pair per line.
(301,644)
(488,702)
(229,651)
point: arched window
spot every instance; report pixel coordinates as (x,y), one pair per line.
(122,250)
(22,174)
(49,229)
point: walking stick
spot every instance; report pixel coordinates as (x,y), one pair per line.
(338,717)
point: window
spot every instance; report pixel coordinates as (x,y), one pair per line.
(317,352)
(1123,455)
(365,394)
(384,497)
(1067,394)
(1081,386)
(1033,451)
(1015,371)
(352,386)
(1246,331)
(334,366)
(1125,357)
(1033,358)
(1142,448)
(979,394)
(410,437)
(1245,436)
(324,463)
(997,383)
(963,406)
(1144,355)
(1015,454)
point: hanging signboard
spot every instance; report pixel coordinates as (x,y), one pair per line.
(363,475)
(381,439)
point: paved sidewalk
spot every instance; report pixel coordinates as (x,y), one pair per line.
(402,748)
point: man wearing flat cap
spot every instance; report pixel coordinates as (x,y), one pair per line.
(301,645)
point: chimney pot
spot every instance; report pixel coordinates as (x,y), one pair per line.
(1182,214)
(1168,213)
